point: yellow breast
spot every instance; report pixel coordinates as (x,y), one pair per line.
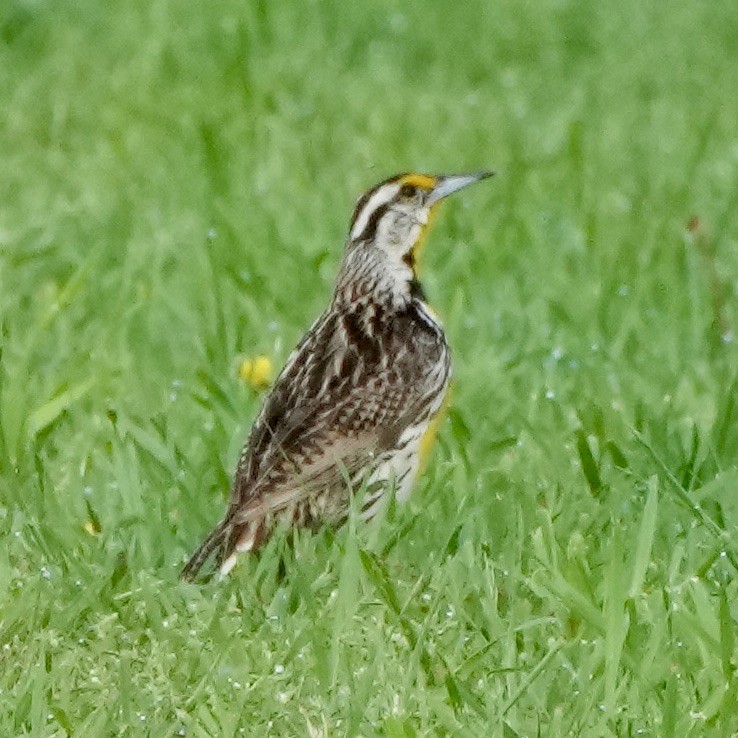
(429,437)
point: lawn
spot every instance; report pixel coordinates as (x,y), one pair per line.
(176,180)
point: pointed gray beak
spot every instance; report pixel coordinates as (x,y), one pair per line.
(451,183)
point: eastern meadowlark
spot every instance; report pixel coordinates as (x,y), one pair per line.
(351,407)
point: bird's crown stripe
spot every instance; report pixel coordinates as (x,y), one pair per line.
(381,197)
(423,181)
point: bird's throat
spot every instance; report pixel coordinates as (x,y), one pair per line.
(414,255)
(415,288)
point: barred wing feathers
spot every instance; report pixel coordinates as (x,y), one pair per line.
(333,408)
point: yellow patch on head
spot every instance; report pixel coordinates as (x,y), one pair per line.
(423,181)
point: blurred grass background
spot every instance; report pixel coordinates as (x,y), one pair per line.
(175,185)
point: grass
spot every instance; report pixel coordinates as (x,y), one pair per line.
(175,183)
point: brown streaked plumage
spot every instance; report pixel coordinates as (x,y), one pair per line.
(351,406)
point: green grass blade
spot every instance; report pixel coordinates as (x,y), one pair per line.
(644,541)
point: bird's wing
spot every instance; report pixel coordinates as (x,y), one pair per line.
(328,412)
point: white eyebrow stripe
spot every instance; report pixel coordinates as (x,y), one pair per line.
(381,197)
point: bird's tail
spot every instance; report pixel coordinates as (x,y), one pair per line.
(215,543)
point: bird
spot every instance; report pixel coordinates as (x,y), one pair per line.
(360,395)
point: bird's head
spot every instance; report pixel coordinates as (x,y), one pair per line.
(395,216)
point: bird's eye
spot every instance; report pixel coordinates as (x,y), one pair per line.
(407,190)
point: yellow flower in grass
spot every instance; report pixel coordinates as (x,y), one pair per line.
(91,528)
(257,372)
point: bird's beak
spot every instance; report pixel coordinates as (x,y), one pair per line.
(448,184)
